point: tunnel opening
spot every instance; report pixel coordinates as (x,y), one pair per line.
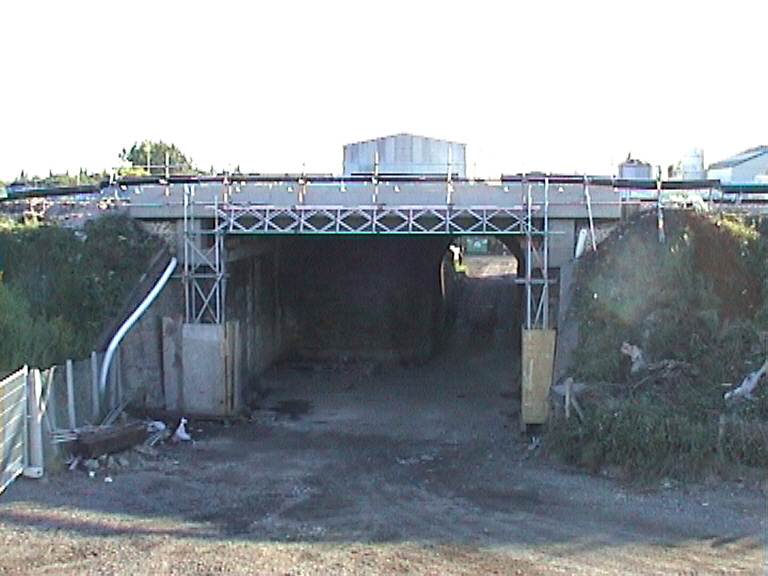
(488,310)
(382,301)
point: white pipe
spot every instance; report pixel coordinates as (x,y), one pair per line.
(115,342)
(581,243)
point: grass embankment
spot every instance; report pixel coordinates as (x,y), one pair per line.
(697,306)
(60,286)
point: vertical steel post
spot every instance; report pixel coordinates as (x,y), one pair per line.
(375,198)
(588,198)
(95,404)
(660,212)
(529,258)
(34,460)
(70,395)
(187,287)
(545,244)
(449,184)
(219,278)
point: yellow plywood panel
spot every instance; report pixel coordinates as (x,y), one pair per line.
(538,362)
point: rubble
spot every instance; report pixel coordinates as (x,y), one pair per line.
(103,447)
(96,441)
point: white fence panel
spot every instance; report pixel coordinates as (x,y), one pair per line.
(13,426)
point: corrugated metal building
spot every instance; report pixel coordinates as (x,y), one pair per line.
(743,168)
(406,154)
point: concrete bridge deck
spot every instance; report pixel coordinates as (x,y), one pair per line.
(565,200)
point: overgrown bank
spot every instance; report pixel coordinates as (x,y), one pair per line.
(61,286)
(696,308)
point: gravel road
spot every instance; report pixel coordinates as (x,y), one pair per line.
(355,469)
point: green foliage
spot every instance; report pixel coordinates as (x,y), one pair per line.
(155,152)
(61,179)
(645,437)
(701,300)
(21,334)
(64,285)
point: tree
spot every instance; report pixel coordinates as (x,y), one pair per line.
(156,153)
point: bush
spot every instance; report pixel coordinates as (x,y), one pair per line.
(699,300)
(62,286)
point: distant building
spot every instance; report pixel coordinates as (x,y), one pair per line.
(634,169)
(406,154)
(743,168)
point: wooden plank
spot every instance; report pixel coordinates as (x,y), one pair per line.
(203,366)
(94,442)
(538,361)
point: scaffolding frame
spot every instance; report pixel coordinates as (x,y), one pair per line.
(204,272)
(203,275)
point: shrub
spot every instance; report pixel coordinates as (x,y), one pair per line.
(699,300)
(62,286)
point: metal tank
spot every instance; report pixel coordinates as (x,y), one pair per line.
(405,154)
(693,165)
(635,170)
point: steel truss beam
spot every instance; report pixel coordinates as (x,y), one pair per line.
(250,219)
(205,277)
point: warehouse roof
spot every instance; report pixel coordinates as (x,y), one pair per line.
(740,158)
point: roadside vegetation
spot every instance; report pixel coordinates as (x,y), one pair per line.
(60,286)
(696,308)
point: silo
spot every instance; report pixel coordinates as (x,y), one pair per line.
(693,165)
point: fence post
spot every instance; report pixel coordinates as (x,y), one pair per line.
(95,400)
(49,404)
(34,468)
(71,396)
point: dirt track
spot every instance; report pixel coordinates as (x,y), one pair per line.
(348,470)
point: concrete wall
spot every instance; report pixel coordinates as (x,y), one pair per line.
(312,297)
(254,301)
(362,297)
(141,352)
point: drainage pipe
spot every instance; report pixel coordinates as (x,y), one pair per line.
(115,342)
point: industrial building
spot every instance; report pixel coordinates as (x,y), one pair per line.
(406,154)
(743,168)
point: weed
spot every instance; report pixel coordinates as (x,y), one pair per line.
(700,300)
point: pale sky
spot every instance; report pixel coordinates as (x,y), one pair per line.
(280,86)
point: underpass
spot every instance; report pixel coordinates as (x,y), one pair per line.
(314,281)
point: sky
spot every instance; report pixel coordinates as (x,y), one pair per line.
(280,86)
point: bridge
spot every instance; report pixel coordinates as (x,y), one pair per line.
(541,212)
(320,264)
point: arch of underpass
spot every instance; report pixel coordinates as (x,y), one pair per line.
(392,299)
